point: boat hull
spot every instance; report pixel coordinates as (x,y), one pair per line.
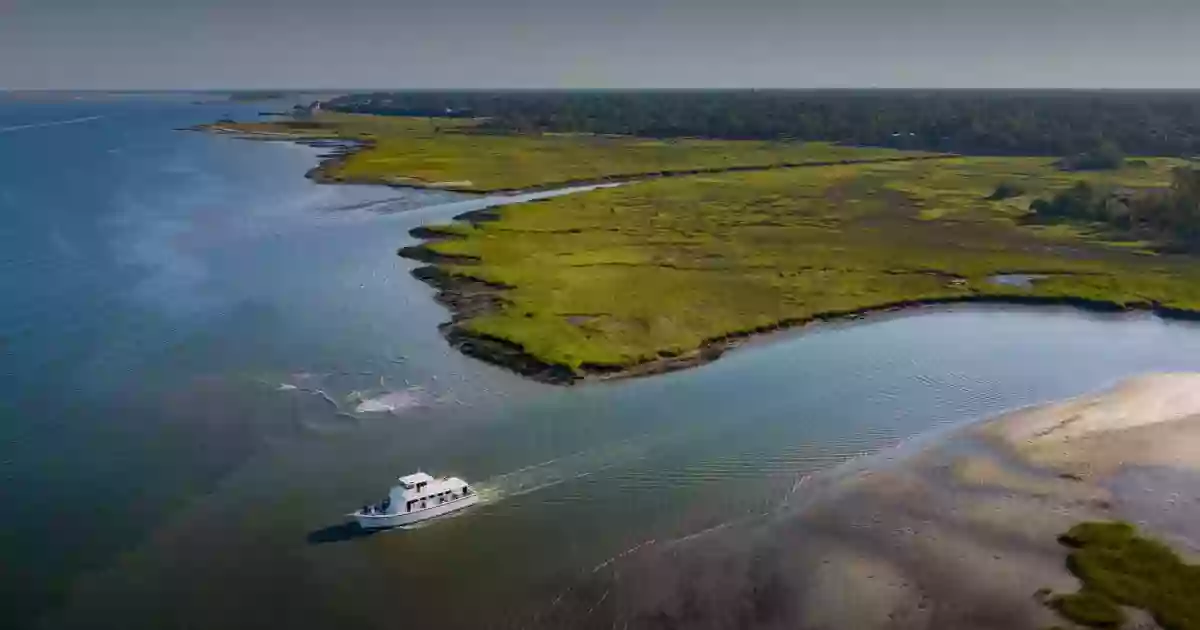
(383,521)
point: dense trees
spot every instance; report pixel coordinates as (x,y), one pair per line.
(1106,156)
(1077,202)
(1170,217)
(1088,125)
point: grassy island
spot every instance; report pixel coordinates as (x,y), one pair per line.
(454,154)
(715,240)
(667,273)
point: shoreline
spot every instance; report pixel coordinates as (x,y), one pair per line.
(466,297)
(960,528)
(321,172)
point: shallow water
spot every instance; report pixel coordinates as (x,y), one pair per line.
(191,330)
(1019,280)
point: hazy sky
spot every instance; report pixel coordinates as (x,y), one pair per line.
(598,43)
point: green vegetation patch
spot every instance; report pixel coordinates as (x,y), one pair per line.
(624,276)
(1169,217)
(982,188)
(451,153)
(481,162)
(1120,568)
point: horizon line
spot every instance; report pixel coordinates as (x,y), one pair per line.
(348,90)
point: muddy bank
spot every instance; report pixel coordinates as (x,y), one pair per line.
(957,533)
(340,148)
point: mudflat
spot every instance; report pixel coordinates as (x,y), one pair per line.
(959,533)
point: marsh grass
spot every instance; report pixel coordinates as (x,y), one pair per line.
(452,153)
(619,277)
(1120,568)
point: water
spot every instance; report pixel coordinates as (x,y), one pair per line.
(199,350)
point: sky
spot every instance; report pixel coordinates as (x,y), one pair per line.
(338,44)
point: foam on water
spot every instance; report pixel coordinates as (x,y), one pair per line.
(392,402)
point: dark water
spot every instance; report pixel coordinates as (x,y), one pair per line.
(188,326)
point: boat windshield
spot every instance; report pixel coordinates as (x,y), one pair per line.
(378,508)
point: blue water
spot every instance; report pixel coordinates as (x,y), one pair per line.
(166,290)
(150,275)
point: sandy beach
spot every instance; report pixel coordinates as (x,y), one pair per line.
(960,533)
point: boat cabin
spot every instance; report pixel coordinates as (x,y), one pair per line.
(416,481)
(420,491)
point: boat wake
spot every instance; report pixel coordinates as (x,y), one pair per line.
(561,470)
(370,401)
(55,123)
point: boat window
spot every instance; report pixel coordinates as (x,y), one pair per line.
(466,490)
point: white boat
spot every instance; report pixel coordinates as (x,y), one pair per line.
(418,497)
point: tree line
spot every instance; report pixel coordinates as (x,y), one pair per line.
(1170,217)
(965,121)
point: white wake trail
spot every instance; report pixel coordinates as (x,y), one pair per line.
(564,469)
(72,121)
